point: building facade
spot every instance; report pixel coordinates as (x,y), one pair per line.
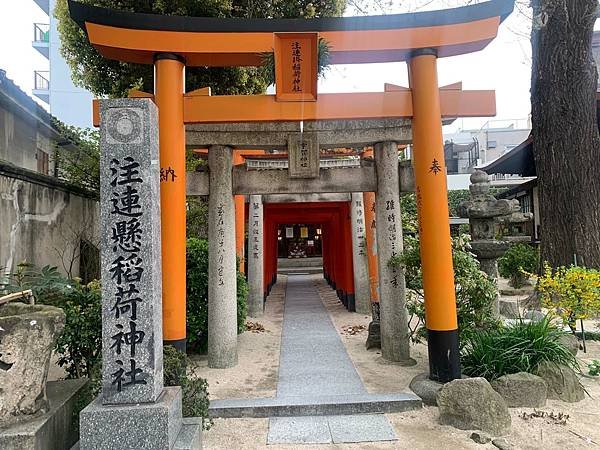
(53,84)
(43,219)
(27,134)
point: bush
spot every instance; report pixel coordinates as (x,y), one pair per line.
(475,292)
(177,372)
(80,344)
(197,295)
(572,293)
(517,263)
(519,347)
(196,218)
(47,284)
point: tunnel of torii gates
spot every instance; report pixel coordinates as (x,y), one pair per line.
(299,120)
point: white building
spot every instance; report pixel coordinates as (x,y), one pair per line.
(466,150)
(53,85)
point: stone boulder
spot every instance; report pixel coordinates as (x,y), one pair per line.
(509,309)
(472,404)
(534,315)
(425,388)
(562,382)
(521,390)
(570,342)
(27,336)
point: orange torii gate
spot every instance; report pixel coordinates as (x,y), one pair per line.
(171,43)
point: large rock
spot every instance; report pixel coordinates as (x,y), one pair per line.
(472,404)
(521,390)
(562,382)
(426,388)
(509,309)
(27,337)
(534,315)
(570,342)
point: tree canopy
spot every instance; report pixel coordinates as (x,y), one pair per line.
(113,78)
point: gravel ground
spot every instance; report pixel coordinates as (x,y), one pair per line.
(256,376)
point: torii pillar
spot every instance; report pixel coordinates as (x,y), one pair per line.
(169,88)
(240,219)
(374,337)
(434,228)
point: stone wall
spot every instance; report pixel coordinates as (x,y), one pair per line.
(46,222)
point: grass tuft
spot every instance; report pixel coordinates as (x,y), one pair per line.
(518,347)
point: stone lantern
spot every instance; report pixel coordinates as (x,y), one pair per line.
(484,212)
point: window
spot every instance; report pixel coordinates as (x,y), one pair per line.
(492,144)
(42,161)
(525,202)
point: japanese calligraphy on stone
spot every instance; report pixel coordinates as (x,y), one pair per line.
(130,252)
(360,228)
(127,270)
(255,238)
(303,155)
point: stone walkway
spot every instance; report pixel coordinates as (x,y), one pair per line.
(314,363)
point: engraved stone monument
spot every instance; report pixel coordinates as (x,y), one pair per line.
(134,410)
(303,155)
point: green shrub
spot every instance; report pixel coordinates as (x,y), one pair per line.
(178,372)
(475,292)
(196,218)
(594,368)
(517,263)
(572,293)
(197,295)
(80,344)
(518,347)
(47,284)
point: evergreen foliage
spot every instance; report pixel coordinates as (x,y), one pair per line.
(519,347)
(518,263)
(178,371)
(572,293)
(114,79)
(197,295)
(475,292)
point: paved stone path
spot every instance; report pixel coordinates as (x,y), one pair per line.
(314,363)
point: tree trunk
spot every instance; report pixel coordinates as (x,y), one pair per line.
(565,130)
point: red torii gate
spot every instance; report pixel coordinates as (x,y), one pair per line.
(171,42)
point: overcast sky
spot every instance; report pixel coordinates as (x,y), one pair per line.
(503,66)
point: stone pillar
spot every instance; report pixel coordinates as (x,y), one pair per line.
(133,400)
(395,344)
(359,255)
(255,257)
(222,277)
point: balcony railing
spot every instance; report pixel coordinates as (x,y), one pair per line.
(41,80)
(41,32)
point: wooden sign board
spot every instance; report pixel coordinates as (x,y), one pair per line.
(303,155)
(296,63)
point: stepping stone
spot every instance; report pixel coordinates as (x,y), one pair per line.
(363,428)
(299,430)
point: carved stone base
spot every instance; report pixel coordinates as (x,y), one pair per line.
(374,336)
(152,426)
